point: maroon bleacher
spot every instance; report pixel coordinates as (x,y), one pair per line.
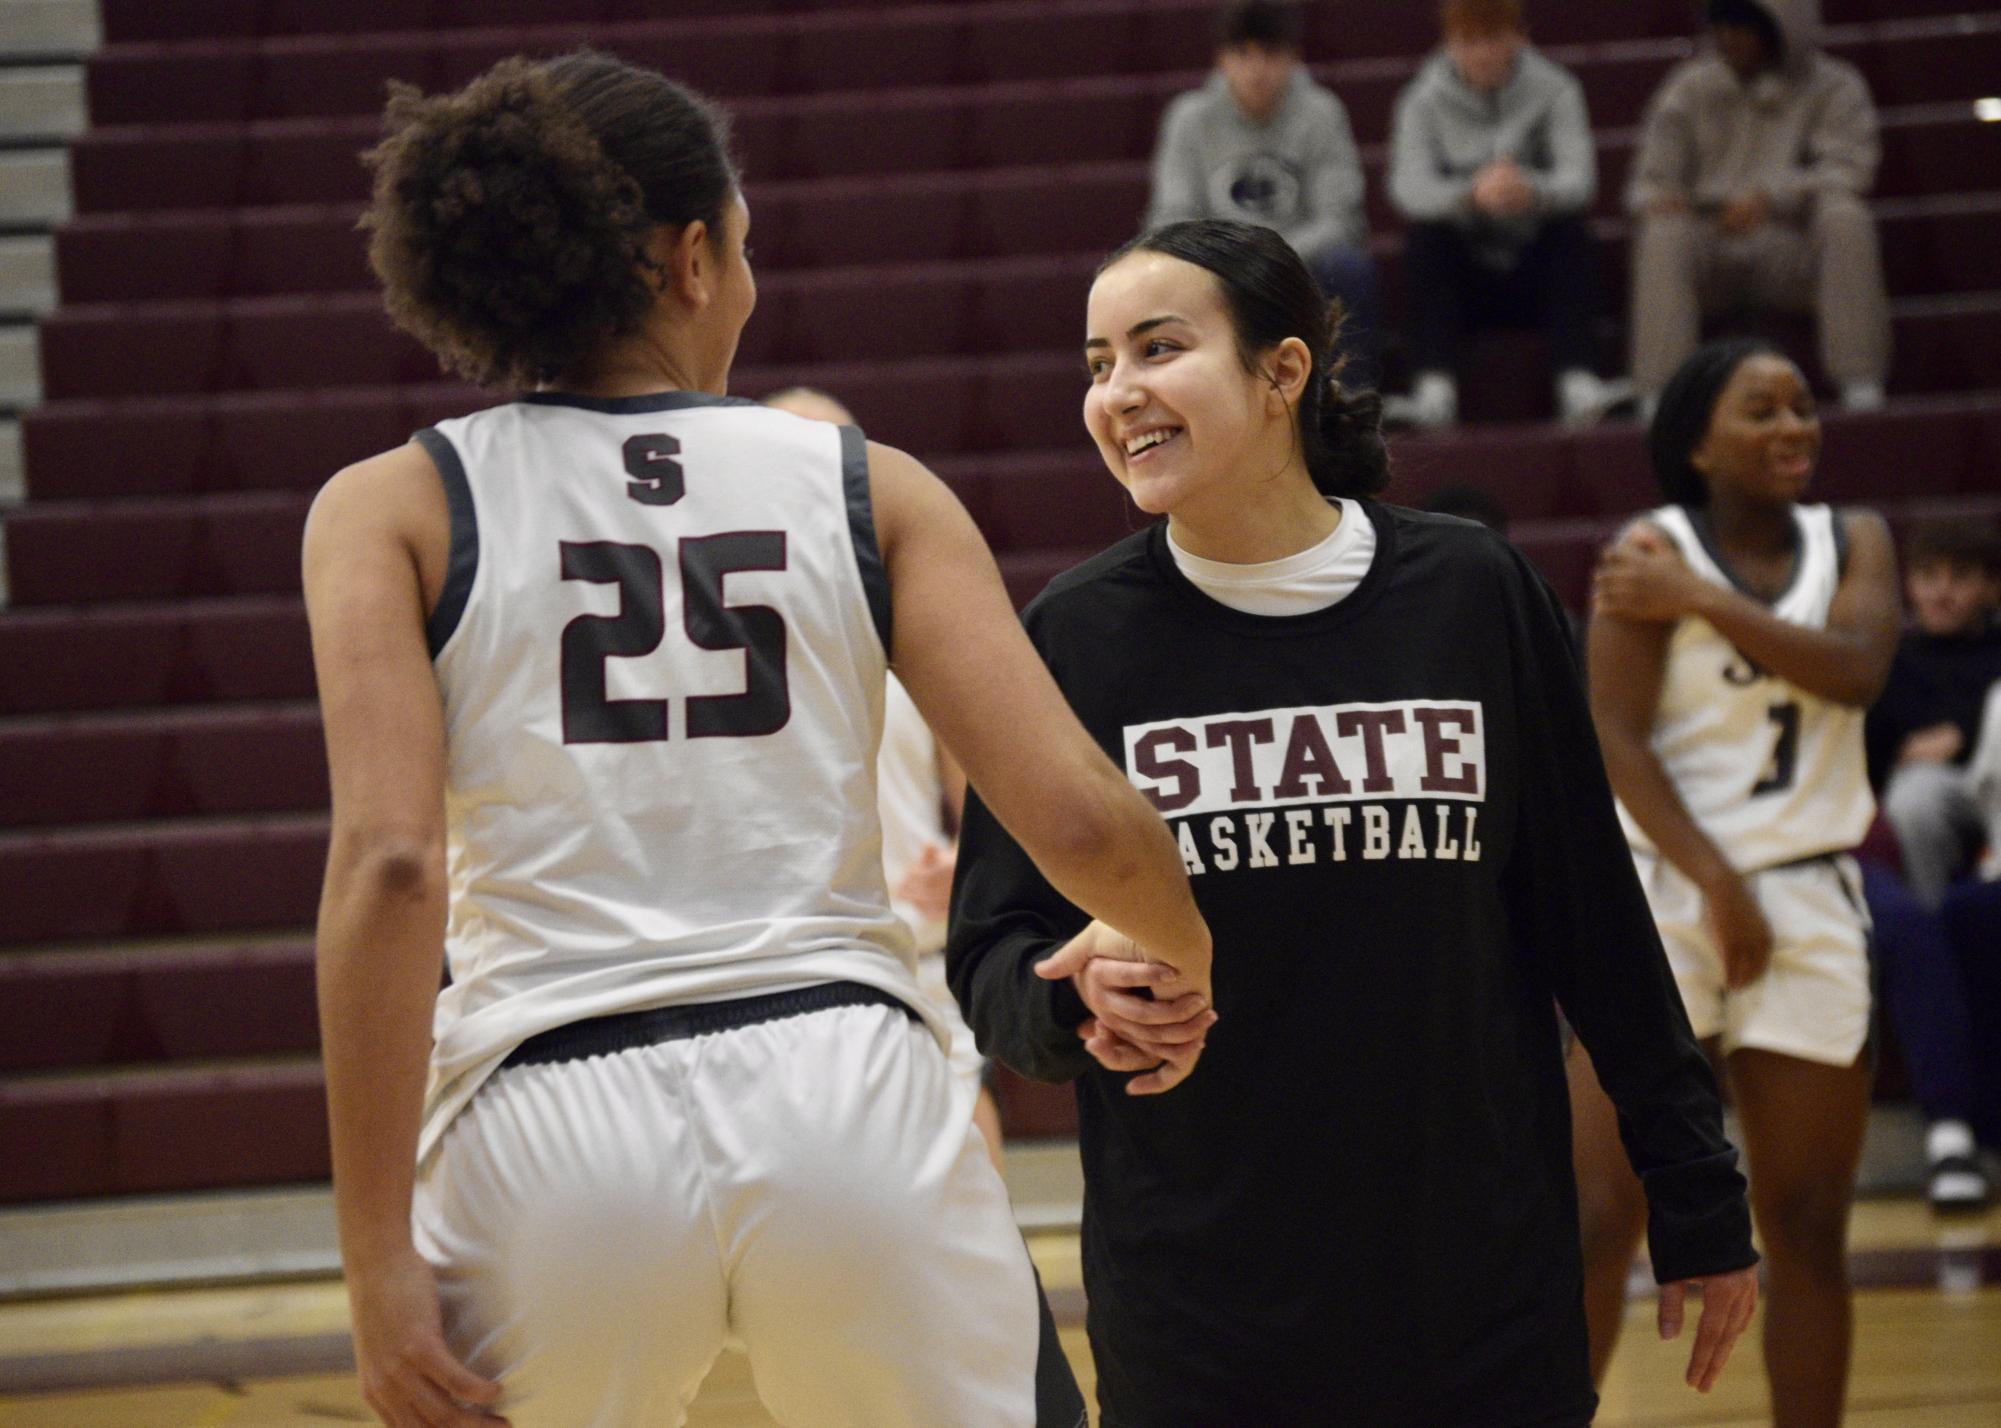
(931,187)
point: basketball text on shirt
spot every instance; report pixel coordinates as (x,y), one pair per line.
(1328,783)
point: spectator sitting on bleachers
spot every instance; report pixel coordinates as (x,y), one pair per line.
(1922,734)
(1923,730)
(1748,192)
(1491,162)
(1262,143)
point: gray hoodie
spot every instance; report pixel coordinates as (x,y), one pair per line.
(1807,126)
(1300,173)
(1446,131)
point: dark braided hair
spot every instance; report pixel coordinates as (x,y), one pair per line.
(1687,407)
(510,220)
(1270,296)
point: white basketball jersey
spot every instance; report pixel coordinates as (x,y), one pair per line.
(661,649)
(1771,773)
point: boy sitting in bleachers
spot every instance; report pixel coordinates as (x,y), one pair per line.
(1262,143)
(1748,192)
(1934,740)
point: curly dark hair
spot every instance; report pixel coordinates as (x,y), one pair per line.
(510,221)
(1270,296)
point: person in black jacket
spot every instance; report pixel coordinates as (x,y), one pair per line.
(1923,729)
(1922,733)
(1342,1194)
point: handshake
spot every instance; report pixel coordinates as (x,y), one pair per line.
(1146,1016)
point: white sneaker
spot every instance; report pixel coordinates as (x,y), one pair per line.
(1863,397)
(1583,398)
(1955,1179)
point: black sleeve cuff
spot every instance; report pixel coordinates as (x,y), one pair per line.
(1698,1220)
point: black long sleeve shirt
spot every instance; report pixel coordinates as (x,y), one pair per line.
(1935,679)
(1360,1207)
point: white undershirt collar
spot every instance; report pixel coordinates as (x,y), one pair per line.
(1310,580)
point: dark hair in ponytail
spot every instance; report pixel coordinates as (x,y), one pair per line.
(1687,407)
(510,221)
(1270,296)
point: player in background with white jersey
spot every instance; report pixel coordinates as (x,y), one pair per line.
(921,792)
(602,677)
(1737,636)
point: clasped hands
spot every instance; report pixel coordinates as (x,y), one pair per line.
(1145,1016)
(1503,190)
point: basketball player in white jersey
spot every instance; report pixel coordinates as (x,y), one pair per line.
(917,785)
(1737,635)
(602,675)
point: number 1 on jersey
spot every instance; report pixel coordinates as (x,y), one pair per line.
(1785,754)
(764,706)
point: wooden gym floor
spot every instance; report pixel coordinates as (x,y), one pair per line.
(1928,1348)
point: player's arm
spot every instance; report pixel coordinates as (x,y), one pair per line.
(1846,662)
(382,913)
(1627,664)
(987,696)
(1575,900)
(1626,667)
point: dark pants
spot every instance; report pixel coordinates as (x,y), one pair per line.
(1552,284)
(1941,982)
(1924,993)
(1349,274)
(1972,917)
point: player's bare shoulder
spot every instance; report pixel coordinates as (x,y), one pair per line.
(396,489)
(1864,532)
(394,499)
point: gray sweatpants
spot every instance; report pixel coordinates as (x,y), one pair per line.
(1685,269)
(1937,816)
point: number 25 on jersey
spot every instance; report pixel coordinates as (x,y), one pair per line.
(589,715)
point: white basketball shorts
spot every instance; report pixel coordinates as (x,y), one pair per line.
(811,1189)
(1813,1001)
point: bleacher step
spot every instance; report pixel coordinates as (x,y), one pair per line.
(27,275)
(204,761)
(133,656)
(20,367)
(44,102)
(167,1128)
(13,471)
(50,29)
(146,1003)
(231,544)
(188,876)
(127,1243)
(34,188)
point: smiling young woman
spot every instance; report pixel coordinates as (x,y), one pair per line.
(1366,728)
(1736,638)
